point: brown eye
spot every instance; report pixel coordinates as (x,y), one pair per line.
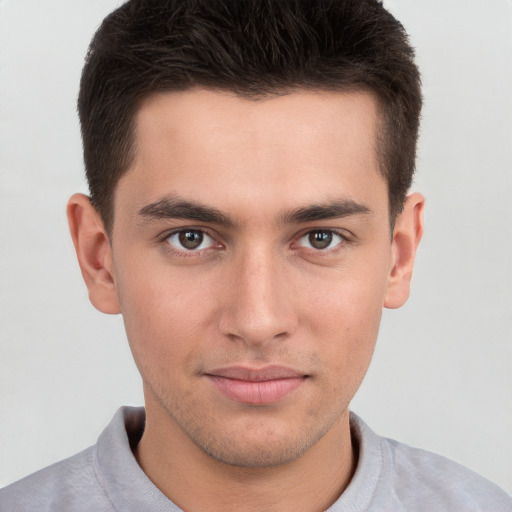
(189,240)
(320,239)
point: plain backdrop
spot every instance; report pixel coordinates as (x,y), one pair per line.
(441,377)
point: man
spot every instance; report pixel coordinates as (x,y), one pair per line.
(248,164)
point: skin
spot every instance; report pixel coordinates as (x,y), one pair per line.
(259,292)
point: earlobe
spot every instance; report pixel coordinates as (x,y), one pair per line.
(94,253)
(406,237)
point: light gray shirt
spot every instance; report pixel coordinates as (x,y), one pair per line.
(390,477)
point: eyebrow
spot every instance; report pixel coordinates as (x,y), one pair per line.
(176,208)
(332,210)
(170,207)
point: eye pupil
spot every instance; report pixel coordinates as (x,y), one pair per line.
(320,239)
(191,239)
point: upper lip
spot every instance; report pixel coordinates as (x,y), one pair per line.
(272,372)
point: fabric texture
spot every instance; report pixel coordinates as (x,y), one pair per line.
(390,477)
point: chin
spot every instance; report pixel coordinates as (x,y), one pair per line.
(256,444)
(261,454)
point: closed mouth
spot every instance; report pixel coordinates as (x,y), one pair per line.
(256,386)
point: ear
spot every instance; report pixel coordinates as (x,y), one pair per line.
(406,237)
(94,253)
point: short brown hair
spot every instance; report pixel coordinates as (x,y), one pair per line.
(253,48)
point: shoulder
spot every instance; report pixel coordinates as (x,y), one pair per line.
(103,478)
(440,480)
(413,479)
(71,484)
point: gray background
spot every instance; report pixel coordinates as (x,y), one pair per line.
(442,373)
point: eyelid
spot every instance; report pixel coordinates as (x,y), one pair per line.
(346,236)
(163,239)
(179,229)
(346,239)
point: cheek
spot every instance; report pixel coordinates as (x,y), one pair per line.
(345,318)
(349,299)
(163,315)
(348,335)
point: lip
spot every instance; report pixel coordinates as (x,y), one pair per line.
(256,386)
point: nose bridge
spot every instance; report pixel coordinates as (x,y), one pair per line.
(259,308)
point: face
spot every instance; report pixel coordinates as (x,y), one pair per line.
(251,257)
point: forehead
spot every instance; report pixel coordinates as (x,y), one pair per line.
(300,148)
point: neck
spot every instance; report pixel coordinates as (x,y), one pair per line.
(195,481)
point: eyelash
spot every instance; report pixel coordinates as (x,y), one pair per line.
(346,239)
(184,253)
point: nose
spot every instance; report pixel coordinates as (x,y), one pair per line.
(259,307)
